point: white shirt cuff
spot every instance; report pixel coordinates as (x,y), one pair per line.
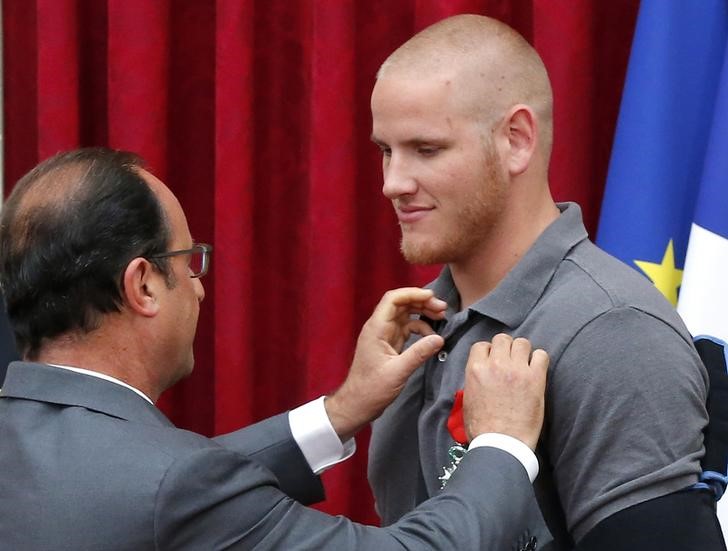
(515,447)
(313,433)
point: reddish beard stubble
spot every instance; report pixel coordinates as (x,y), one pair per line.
(462,235)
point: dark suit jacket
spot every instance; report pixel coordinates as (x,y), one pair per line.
(86,464)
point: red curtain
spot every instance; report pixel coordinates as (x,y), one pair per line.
(256,114)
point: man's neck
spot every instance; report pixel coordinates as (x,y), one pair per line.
(87,352)
(105,377)
(478,274)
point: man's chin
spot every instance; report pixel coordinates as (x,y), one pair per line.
(421,253)
(183,372)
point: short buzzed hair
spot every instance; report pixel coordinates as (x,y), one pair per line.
(67,232)
(498,65)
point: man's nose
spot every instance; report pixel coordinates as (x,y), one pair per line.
(199,289)
(399,178)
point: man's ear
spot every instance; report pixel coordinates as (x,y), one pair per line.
(141,287)
(522,129)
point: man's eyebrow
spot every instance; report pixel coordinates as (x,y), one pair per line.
(415,141)
(424,140)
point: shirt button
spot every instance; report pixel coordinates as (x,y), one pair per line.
(442,356)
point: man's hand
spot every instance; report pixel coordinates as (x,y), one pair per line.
(504,389)
(380,369)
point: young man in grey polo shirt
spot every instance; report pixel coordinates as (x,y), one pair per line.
(463,115)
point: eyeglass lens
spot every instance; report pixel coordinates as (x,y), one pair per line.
(197,259)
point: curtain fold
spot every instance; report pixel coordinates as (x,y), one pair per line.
(234,391)
(256,114)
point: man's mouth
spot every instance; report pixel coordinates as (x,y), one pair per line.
(408,214)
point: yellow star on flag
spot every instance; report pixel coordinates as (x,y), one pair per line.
(666,277)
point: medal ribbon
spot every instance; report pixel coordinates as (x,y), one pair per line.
(456,422)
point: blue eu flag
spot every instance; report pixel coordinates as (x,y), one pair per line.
(669,109)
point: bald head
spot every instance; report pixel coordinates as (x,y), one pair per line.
(490,65)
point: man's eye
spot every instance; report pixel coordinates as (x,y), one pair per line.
(428,151)
(386,151)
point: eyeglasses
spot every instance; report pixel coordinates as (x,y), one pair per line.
(199,258)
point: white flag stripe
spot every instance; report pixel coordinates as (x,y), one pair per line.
(703,301)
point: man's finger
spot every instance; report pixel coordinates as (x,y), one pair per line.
(501,348)
(540,359)
(393,302)
(521,350)
(479,353)
(480,350)
(420,327)
(434,308)
(421,351)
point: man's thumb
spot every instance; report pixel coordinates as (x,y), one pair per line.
(422,350)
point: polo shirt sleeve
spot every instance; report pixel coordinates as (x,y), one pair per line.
(625,414)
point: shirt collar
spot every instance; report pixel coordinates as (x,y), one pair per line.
(105,378)
(517,293)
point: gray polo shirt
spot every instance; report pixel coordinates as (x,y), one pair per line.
(626,392)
